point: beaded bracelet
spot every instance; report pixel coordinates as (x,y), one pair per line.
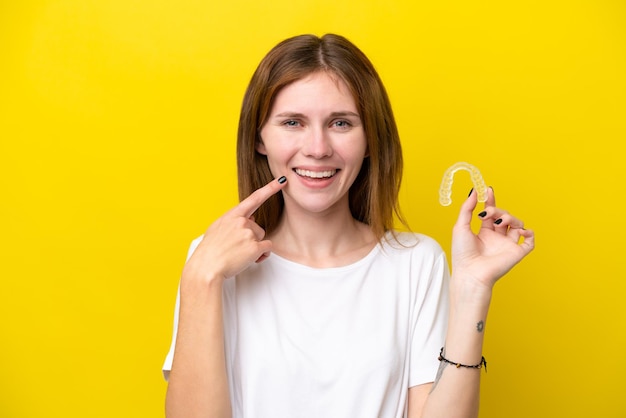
(482,363)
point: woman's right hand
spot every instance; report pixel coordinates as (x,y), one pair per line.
(234,241)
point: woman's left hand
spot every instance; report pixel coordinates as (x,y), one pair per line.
(482,258)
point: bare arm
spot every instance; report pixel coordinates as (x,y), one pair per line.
(455,392)
(198,384)
(478,261)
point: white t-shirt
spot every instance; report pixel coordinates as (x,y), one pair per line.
(343,342)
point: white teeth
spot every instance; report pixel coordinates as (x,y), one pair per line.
(315,174)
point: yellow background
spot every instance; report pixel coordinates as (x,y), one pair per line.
(117,130)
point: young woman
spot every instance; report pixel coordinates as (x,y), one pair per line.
(302,301)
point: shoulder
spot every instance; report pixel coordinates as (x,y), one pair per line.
(412,243)
(418,255)
(194,244)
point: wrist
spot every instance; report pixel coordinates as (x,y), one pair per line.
(200,283)
(466,291)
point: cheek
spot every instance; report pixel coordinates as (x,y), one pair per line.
(278,145)
(277,155)
(354,152)
(274,148)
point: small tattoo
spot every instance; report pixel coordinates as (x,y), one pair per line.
(480,326)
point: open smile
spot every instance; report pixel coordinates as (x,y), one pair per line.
(315,174)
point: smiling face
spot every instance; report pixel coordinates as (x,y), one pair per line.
(314,137)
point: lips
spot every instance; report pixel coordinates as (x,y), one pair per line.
(322,174)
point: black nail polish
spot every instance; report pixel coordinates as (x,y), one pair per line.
(282,179)
(498,221)
(482,214)
(470,193)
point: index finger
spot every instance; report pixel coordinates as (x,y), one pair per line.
(251,203)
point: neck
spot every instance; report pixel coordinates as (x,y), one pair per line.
(330,239)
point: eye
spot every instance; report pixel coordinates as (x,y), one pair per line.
(291,123)
(342,124)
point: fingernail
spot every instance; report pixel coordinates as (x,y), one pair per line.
(482,214)
(498,221)
(470,193)
(282,179)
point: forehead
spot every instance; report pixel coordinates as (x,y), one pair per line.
(321,89)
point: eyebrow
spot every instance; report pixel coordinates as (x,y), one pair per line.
(333,114)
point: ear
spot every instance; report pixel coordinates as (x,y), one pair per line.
(260,147)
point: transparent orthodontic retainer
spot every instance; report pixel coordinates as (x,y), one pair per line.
(445,190)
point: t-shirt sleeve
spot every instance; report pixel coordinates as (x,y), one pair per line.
(167,365)
(430,319)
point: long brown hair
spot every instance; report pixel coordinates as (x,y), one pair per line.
(374,194)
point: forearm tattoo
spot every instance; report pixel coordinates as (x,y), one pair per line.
(480,326)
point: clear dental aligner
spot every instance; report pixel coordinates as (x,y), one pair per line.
(445,191)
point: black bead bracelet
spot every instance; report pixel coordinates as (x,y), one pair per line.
(482,363)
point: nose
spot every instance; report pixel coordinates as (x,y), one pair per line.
(318,144)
